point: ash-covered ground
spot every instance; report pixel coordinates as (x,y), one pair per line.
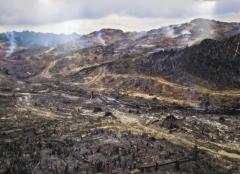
(53,130)
(137,103)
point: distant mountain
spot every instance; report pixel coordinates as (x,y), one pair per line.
(164,38)
(183,35)
(114,38)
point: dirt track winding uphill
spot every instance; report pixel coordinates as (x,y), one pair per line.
(46,72)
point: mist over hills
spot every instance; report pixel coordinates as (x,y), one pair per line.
(169,37)
(31,39)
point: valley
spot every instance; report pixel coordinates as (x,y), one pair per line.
(88,106)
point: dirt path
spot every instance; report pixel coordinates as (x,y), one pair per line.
(45,73)
(46,52)
(192,103)
(98,76)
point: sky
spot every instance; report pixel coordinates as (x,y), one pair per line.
(85,16)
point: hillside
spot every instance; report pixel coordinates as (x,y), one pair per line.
(213,61)
(165,100)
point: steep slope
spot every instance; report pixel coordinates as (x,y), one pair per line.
(183,35)
(211,60)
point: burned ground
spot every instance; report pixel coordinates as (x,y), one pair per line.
(122,108)
(55,132)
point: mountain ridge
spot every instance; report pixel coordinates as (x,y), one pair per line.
(168,37)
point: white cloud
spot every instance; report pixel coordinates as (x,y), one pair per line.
(84,16)
(85,26)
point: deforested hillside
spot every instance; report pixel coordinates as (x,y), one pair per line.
(213,61)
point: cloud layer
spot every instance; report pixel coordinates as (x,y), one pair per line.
(44,14)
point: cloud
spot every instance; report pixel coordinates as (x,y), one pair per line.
(227,6)
(85,26)
(88,15)
(50,11)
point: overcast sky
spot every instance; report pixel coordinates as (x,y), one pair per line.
(85,16)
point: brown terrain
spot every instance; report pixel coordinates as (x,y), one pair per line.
(163,101)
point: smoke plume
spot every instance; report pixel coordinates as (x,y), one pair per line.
(100,39)
(11,42)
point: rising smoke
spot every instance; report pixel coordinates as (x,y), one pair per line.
(11,42)
(100,39)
